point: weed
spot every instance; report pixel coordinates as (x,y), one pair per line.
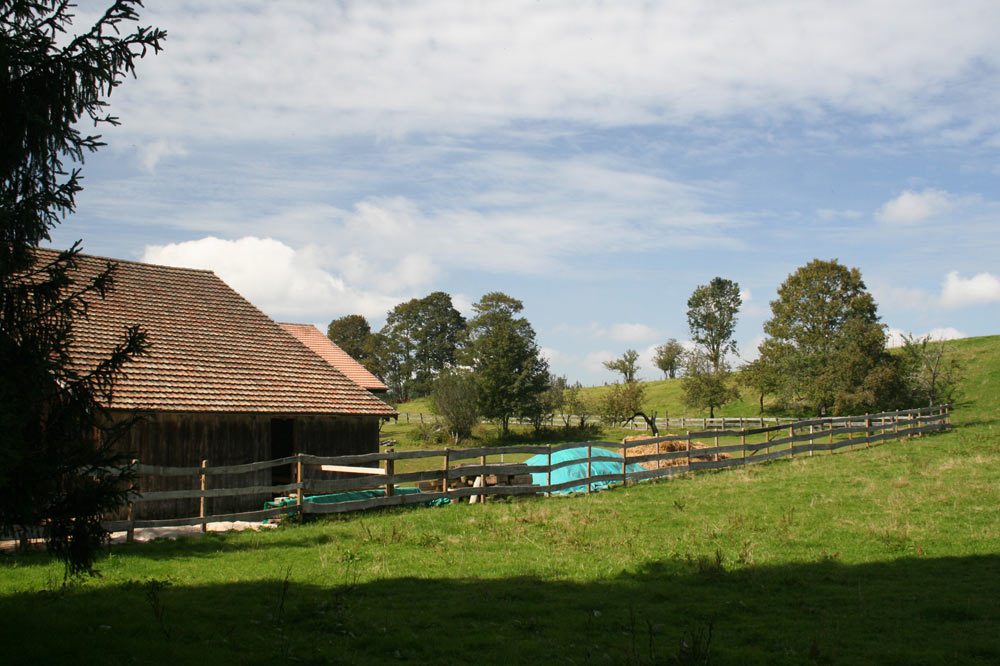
(707,566)
(745,556)
(429,541)
(152,592)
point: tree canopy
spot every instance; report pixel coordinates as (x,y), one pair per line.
(511,375)
(669,358)
(826,346)
(627,365)
(58,462)
(353,334)
(711,315)
(419,340)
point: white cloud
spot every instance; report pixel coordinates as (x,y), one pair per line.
(283,282)
(594,361)
(248,67)
(912,206)
(895,336)
(554,356)
(151,154)
(632,332)
(831,214)
(981,288)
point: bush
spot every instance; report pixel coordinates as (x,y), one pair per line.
(455,400)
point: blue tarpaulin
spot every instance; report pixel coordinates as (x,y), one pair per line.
(571,472)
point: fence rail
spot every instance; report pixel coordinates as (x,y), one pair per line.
(683,422)
(673,455)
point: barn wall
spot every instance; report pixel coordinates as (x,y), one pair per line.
(185,439)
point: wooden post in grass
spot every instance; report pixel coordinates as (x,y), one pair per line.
(482,461)
(201,499)
(868,434)
(590,452)
(717,441)
(300,492)
(624,463)
(831,437)
(390,469)
(130,530)
(689,449)
(548,473)
(743,443)
(444,479)
(810,440)
(791,445)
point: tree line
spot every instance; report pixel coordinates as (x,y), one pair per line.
(489,366)
(825,351)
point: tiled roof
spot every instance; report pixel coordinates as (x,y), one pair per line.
(211,350)
(331,352)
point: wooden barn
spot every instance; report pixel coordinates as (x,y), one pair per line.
(223,383)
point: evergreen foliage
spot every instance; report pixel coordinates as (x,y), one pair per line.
(58,464)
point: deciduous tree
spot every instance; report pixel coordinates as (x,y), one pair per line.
(627,365)
(353,334)
(455,399)
(712,311)
(418,341)
(704,385)
(58,463)
(669,358)
(932,371)
(826,342)
(510,372)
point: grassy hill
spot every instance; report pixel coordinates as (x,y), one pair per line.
(885,555)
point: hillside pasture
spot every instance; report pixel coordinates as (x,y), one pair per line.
(884,555)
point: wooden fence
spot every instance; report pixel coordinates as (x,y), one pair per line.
(682,422)
(692,451)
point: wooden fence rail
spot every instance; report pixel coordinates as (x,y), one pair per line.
(683,422)
(377,470)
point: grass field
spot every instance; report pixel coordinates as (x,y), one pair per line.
(886,555)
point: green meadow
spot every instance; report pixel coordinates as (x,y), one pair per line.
(881,555)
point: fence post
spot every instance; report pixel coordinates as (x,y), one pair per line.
(300,492)
(831,437)
(201,500)
(390,470)
(548,473)
(868,434)
(482,461)
(717,442)
(130,531)
(444,479)
(624,463)
(689,450)
(743,442)
(589,471)
(791,445)
(810,440)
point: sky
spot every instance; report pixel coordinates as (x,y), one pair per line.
(597,161)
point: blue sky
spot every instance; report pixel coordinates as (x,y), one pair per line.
(596,160)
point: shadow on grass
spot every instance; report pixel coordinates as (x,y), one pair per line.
(927,611)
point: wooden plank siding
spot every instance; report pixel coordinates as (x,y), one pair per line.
(185,439)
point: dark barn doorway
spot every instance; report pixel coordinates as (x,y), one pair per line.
(282,445)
